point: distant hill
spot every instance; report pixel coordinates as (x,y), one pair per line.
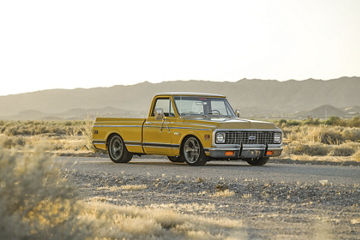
(255,98)
(323,111)
(73,114)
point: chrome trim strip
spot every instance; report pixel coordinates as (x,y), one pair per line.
(223,149)
(165,126)
(117,125)
(160,147)
(196,125)
(233,147)
(253,148)
(133,143)
(200,129)
(250,129)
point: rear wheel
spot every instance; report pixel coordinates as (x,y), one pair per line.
(175,159)
(117,150)
(192,152)
(258,162)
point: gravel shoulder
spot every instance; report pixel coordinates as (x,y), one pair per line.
(277,201)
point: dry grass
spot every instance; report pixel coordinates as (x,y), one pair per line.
(333,138)
(322,140)
(62,137)
(224,193)
(322,134)
(247,196)
(133,187)
(332,121)
(123,187)
(192,207)
(37,203)
(356,156)
(131,222)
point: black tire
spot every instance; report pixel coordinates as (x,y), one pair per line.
(258,162)
(192,152)
(175,159)
(117,150)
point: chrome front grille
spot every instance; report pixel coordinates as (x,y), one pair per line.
(249,137)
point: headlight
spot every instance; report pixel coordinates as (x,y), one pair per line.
(277,137)
(220,137)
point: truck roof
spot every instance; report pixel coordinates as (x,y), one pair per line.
(189,94)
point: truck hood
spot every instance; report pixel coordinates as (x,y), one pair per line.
(225,123)
(245,124)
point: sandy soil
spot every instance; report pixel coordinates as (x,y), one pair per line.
(299,205)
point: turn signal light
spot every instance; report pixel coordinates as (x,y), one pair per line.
(269,153)
(229,153)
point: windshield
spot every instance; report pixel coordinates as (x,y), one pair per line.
(203,106)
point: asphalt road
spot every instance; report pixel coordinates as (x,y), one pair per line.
(237,170)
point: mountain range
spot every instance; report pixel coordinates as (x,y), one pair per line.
(254,98)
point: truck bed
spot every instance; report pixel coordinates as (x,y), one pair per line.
(130,129)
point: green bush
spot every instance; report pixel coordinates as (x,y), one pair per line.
(282,122)
(351,134)
(342,151)
(335,121)
(354,122)
(311,121)
(330,136)
(293,123)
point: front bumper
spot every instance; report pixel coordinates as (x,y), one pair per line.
(245,151)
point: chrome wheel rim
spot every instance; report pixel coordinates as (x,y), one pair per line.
(116,148)
(192,150)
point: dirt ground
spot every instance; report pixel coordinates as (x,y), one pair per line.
(269,209)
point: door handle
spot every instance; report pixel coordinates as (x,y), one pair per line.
(162,125)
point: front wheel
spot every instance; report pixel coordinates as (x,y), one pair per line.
(193,153)
(117,150)
(258,162)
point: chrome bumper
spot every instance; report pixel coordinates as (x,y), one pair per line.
(245,151)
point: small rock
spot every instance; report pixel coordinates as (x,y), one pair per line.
(323,182)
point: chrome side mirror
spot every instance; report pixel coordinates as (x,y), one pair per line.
(159,113)
(237,113)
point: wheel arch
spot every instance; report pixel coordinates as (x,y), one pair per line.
(186,137)
(109,136)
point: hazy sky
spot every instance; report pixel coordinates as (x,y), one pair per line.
(69,44)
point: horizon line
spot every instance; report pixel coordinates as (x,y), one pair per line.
(178,80)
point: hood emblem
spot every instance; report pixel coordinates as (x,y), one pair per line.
(252,138)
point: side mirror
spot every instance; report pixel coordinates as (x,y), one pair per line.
(237,113)
(159,113)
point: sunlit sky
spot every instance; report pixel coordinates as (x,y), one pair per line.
(70,44)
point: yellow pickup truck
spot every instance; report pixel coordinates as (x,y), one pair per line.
(189,127)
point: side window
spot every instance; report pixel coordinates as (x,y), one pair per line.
(172,113)
(165,105)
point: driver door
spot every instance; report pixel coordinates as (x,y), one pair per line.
(156,133)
